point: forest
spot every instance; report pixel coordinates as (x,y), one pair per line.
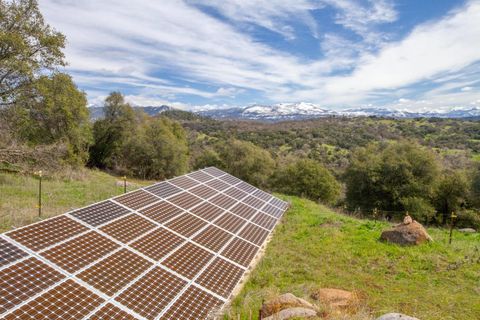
(365,166)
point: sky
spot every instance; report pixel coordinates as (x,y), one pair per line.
(415,55)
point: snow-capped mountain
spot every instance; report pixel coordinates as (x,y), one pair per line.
(302,110)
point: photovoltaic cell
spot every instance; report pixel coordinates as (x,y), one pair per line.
(188,260)
(243,210)
(246,187)
(137,199)
(24,280)
(9,253)
(220,277)
(163,189)
(129,257)
(161,212)
(279,203)
(265,221)
(185,200)
(262,195)
(230,179)
(66,301)
(274,211)
(207,211)
(200,176)
(230,222)
(152,293)
(213,238)
(193,304)
(186,225)
(128,228)
(203,191)
(254,234)
(184,182)
(214,171)
(43,234)
(240,251)
(100,213)
(79,252)
(115,272)
(111,312)
(223,201)
(218,185)
(254,201)
(236,193)
(157,244)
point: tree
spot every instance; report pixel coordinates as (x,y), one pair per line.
(307,178)
(157,149)
(246,161)
(451,191)
(110,132)
(28,46)
(381,176)
(53,111)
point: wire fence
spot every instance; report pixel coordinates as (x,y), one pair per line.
(27,198)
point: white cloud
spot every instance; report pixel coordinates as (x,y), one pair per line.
(116,44)
(274,15)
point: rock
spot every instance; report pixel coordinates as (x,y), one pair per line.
(396,316)
(335,298)
(407,219)
(285,301)
(467,230)
(406,234)
(292,313)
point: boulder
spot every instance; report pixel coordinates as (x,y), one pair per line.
(290,313)
(412,233)
(285,301)
(335,298)
(396,316)
(467,230)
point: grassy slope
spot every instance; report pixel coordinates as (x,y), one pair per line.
(18,195)
(315,247)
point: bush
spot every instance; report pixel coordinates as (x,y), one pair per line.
(307,178)
(246,161)
(381,176)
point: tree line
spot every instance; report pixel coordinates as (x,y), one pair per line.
(44,121)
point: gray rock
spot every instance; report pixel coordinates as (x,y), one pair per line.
(290,313)
(467,230)
(396,316)
(284,301)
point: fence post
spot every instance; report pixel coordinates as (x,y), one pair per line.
(124,184)
(39,174)
(452,222)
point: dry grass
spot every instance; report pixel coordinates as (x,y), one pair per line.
(62,192)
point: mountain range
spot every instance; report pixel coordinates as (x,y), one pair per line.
(303,110)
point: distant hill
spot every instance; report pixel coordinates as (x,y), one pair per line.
(97,112)
(301,111)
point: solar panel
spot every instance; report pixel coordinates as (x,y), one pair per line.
(173,250)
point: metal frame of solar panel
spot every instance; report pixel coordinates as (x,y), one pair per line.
(159,252)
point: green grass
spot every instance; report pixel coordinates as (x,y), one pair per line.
(314,247)
(19,194)
(476,157)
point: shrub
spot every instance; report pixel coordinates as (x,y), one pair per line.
(307,178)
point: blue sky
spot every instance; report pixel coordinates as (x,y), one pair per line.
(406,54)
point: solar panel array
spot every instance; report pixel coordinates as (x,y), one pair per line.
(173,250)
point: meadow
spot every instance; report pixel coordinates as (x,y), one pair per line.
(315,247)
(312,247)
